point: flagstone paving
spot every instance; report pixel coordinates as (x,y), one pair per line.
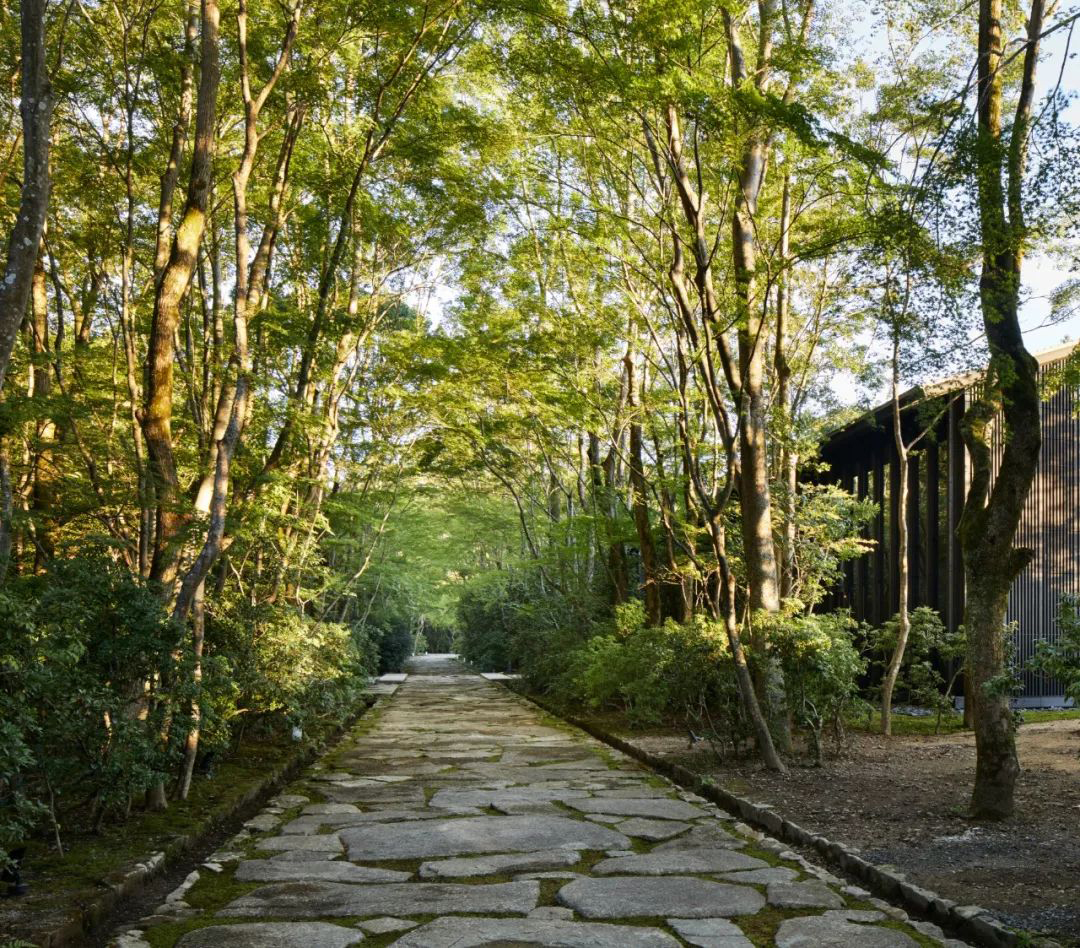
(456,814)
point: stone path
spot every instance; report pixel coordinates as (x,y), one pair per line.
(457,815)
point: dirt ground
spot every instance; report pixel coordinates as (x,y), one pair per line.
(902,800)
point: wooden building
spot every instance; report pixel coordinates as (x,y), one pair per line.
(862,458)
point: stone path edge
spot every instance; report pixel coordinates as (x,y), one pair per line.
(970,921)
(88,918)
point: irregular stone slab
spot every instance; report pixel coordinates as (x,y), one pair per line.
(659,808)
(452,799)
(653,830)
(674,863)
(855,915)
(554,933)
(707,836)
(325,809)
(552,911)
(325,899)
(548,875)
(517,809)
(263,823)
(374,792)
(301,855)
(289,800)
(828,931)
(327,843)
(761,876)
(491,865)
(267,870)
(811,894)
(385,925)
(676,896)
(710,933)
(481,834)
(272,935)
(309,825)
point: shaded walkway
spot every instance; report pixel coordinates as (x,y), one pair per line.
(458,815)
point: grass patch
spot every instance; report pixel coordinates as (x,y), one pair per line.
(761,927)
(907,725)
(1042,717)
(214,890)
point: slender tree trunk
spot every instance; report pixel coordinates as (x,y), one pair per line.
(42,498)
(7,507)
(903,616)
(191,742)
(35,108)
(171,290)
(639,492)
(789,458)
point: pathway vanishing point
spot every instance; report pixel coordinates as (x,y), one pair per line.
(458,815)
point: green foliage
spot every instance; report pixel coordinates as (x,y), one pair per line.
(821,668)
(270,663)
(674,672)
(77,649)
(518,623)
(93,671)
(1060,658)
(933,659)
(829,534)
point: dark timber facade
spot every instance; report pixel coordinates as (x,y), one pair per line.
(862,458)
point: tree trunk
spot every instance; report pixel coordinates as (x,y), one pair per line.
(789,459)
(35,108)
(1009,396)
(42,498)
(639,492)
(903,616)
(170,293)
(191,742)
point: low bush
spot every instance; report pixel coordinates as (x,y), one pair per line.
(821,667)
(96,688)
(933,660)
(1060,658)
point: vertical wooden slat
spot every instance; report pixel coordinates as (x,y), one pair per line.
(914,538)
(933,524)
(957,491)
(879,584)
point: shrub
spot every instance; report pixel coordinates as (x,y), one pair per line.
(821,668)
(1060,659)
(395,645)
(932,660)
(87,688)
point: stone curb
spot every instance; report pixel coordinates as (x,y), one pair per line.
(120,885)
(970,921)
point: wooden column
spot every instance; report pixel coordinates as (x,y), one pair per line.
(895,513)
(956,495)
(880,582)
(915,582)
(933,525)
(861,601)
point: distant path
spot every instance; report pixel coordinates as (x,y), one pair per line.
(463,817)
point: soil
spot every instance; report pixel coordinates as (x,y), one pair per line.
(902,802)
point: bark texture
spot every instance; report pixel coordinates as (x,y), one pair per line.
(1009,398)
(35,109)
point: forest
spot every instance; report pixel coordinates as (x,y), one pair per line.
(335,330)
